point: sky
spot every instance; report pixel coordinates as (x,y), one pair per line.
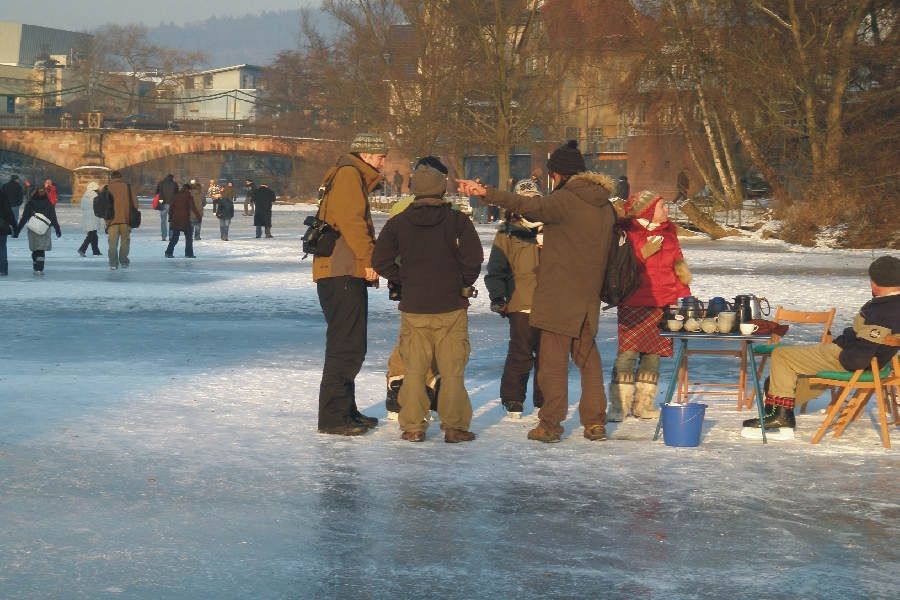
(85,15)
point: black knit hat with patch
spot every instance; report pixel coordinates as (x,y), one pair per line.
(885,271)
(567,160)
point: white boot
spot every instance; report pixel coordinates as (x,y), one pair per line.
(621,397)
(644,395)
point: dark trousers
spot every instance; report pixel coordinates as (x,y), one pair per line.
(4,263)
(37,260)
(681,196)
(554,377)
(91,240)
(188,242)
(345,304)
(521,357)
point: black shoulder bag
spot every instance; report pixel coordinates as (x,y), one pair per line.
(320,238)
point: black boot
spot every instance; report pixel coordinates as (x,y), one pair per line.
(776,417)
(392,402)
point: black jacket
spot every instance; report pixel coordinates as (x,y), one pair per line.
(13,193)
(623,189)
(7,215)
(39,205)
(263,198)
(167,188)
(225,208)
(877,318)
(440,254)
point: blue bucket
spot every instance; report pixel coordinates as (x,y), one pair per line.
(682,424)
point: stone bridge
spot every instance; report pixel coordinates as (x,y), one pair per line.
(90,154)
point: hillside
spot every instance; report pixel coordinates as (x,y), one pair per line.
(251,39)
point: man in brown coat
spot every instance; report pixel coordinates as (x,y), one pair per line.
(180,210)
(118,231)
(578,221)
(342,280)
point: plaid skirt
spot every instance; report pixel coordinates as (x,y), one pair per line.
(639,331)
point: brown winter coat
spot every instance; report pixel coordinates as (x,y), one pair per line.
(180,212)
(121,208)
(346,208)
(578,224)
(511,268)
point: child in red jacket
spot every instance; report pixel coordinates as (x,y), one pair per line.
(664,279)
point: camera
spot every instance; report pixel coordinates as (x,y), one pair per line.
(470,291)
(395,291)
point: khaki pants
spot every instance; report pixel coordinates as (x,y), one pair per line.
(792,366)
(118,253)
(443,338)
(395,366)
(553,377)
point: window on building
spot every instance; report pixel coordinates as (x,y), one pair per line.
(667,165)
(573,133)
(194,107)
(10,105)
(207,81)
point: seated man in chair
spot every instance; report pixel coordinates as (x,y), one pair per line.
(854,349)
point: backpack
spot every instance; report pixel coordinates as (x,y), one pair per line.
(103,204)
(622,278)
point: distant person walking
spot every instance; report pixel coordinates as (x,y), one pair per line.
(248,199)
(7,228)
(398,183)
(228,192)
(39,243)
(264,199)
(118,229)
(12,190)
(166,189)
(51,191)
(683,183)
(224,212)
(180,221)
(90,223)
(479,206)
(199,202)
(623,188)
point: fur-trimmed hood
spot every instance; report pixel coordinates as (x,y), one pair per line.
(595,178)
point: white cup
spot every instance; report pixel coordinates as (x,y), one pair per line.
(674,324)
(725,321)
(709,326)
(748,328)
(692,325)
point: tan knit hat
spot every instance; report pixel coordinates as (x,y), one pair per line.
(368,143)
(428,182)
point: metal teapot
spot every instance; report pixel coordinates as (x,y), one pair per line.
(748,307)
(717,305)
(691,308)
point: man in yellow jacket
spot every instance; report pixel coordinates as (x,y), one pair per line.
(342,280)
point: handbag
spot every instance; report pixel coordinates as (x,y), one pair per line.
(156,202)
(134,219)
(38,223)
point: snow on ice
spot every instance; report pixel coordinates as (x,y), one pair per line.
(158,440)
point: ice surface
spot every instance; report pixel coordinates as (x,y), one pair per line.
(157,440)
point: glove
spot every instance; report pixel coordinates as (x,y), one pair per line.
(651,247)
(58,235)
(498,305)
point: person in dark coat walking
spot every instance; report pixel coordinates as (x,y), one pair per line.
(578,227)
(683,183)
(7,228)
(167,188)
(224,212)
(39,243)
(12,190)
(180,210)
(264,198)
(623,188)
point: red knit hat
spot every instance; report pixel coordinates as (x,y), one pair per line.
(642,205)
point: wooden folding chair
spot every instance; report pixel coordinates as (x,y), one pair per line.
(857,388)
(783,315)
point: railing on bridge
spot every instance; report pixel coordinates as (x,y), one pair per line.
(189,126)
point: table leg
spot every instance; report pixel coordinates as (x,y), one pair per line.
(760,408)
(742,378)
(679,356)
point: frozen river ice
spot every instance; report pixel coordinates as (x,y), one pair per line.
(158,440)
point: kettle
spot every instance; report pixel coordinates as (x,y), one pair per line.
(691,308)
(716,305)
(748,308)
